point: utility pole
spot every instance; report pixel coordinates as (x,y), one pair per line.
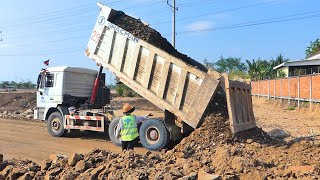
(174,9)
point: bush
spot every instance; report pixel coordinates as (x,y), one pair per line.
(291,108)
(120,89)
(124,91)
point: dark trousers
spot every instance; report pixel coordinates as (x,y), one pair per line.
(126,145)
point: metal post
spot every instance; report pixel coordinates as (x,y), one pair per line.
(289,91)
(258,88)
(274,89)
(310,92)
(268,88)
(298,91)
(281,90)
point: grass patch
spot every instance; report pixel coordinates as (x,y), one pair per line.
(291,108)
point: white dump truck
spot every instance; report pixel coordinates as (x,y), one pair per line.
(76,98)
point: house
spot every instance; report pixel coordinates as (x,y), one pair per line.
(300,67)
(315,56)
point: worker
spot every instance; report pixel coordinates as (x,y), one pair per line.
(127,128)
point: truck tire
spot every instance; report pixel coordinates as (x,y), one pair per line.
(112,131)
(55,125)
(153,135)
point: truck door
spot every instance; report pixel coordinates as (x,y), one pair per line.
(40,91)
(45,93)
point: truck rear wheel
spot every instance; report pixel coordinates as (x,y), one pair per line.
(112,131)
(55,125)
(153,134)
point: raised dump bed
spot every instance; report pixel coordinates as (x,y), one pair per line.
(165,77)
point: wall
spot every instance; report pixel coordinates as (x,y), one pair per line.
(304,88)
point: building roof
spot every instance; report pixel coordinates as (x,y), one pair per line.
(315,56)
(308,62)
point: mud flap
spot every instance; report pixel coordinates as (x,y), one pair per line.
(169,122)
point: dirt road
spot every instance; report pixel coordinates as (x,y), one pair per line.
(30,140)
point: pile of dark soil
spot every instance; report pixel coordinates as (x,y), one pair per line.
(146,33)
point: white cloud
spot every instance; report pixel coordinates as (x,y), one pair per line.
(199,25)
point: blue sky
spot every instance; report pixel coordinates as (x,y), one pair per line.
(36,30)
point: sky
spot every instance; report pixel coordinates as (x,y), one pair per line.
(36,30)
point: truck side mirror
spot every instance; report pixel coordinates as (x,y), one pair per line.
(41,93)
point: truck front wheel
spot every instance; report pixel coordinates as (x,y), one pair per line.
(153,134)
(55,125)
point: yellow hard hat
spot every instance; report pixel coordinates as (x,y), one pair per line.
(127,108)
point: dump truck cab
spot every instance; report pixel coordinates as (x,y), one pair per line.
(61,89)
(60,86)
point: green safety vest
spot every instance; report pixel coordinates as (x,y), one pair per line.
(129,130)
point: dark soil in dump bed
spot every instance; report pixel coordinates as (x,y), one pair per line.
(146,33)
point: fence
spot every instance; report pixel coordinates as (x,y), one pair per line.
(303,88)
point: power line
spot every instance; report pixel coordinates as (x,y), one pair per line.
(197,3)
(54,13)
(79,28)
(18,55)
(54,41)
(62,24)
(47,52)
(146,5)
(57,19)
(154,12)
(217,12)
(262,22)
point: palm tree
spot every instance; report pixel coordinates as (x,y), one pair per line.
(279,60)
(252,69)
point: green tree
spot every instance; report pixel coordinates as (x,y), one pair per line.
(236,73)
(275,62)
(252,69)
(18,85)
(263,69)
(313,48)
(4,84)
(279,60)
(227,64)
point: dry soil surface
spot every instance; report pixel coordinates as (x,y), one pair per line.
(209,152)
(298,122)
(30,140)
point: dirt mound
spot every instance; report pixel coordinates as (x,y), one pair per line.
(245,160)
(17,101)
(210,152)
(17,105)
(146,33)
(137,102)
